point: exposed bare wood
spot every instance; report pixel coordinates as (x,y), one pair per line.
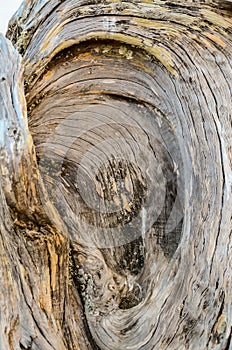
(116,181)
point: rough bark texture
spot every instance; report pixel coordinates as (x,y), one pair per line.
(116,176)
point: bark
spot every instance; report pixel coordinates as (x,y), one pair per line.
(116,175)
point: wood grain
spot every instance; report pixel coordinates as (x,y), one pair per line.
(123,172)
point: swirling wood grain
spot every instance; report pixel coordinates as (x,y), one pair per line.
(129,109)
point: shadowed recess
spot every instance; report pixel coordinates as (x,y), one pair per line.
(112,167)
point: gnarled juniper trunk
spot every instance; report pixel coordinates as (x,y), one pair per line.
(115,176)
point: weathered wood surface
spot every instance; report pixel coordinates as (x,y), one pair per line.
(116,174)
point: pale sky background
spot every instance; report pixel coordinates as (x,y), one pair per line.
(7,9)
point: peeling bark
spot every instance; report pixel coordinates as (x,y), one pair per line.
(116,173)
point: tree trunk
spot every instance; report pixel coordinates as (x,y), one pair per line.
(116,176)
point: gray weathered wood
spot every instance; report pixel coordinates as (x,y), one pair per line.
(116,174)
